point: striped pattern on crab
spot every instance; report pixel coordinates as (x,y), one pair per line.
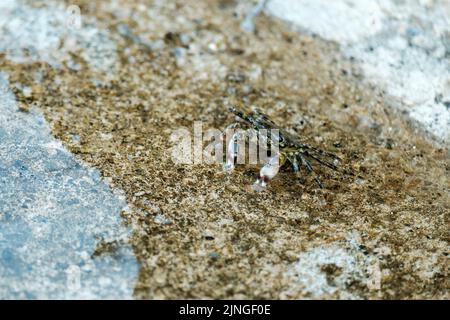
(284,148)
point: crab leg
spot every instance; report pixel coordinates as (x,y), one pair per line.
(295,164)
(309,168)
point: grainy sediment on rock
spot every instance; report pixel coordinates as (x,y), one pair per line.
(380,232)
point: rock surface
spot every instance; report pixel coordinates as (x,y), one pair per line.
(379,229)
(402,47)
(55,216)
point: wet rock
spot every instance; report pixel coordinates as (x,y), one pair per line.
(53,210)
(377,229)
(403,52)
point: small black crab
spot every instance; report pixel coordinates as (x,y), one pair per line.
(283,148)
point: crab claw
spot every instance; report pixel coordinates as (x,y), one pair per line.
(231,156)
(232,152)
(267,173)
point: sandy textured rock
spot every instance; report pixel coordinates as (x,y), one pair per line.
(401,47)
(378,230)
(55,214)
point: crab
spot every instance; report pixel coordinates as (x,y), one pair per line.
(283,148)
